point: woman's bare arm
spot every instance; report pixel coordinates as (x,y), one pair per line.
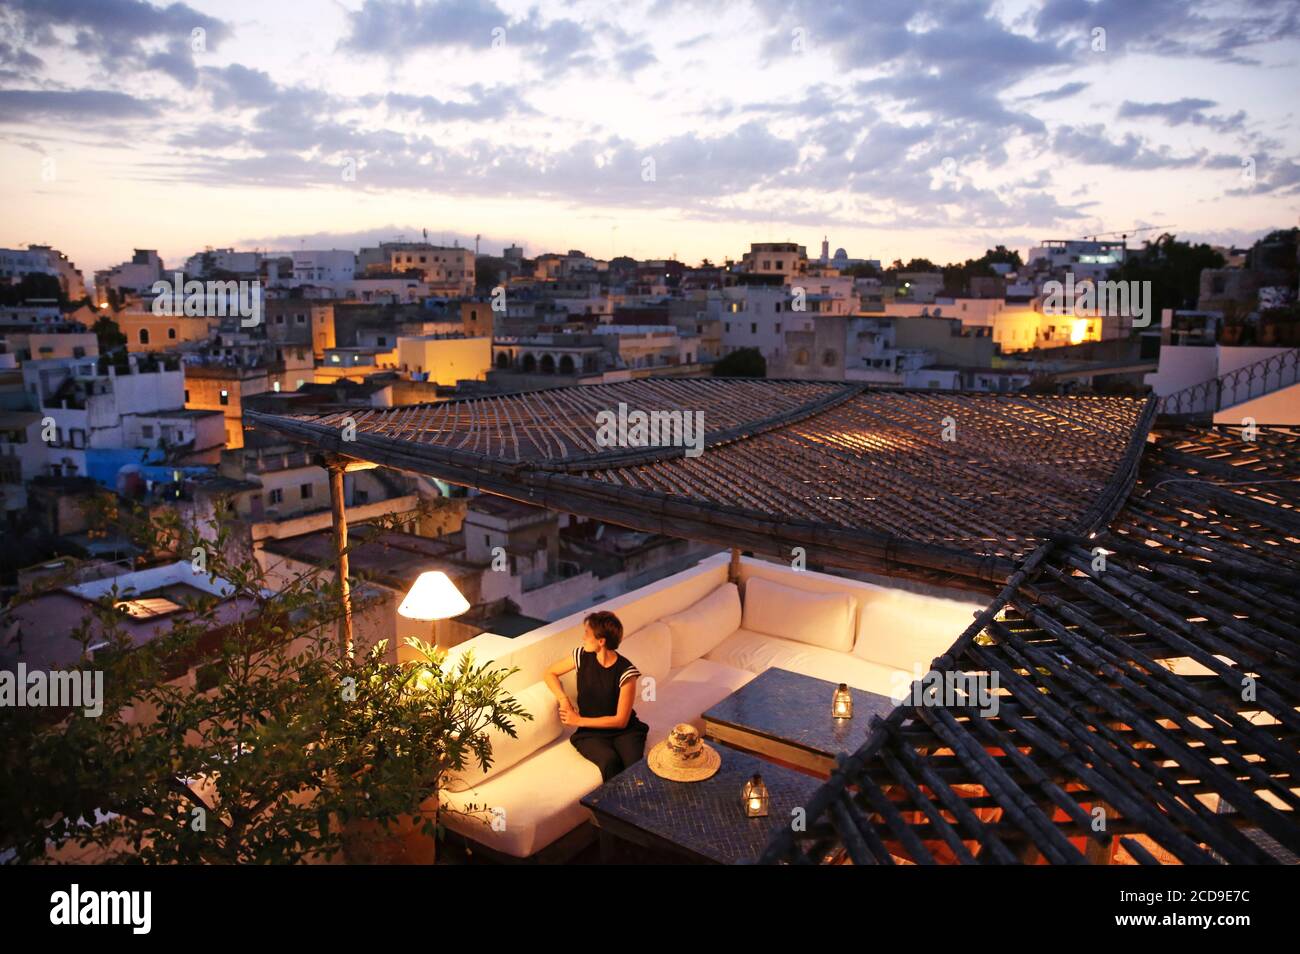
(553,675)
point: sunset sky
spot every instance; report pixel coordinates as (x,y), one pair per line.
(937,132)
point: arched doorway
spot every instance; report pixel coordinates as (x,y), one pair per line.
(530,363)
(503,360)
(548,364)
(566,364)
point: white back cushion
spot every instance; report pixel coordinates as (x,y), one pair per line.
(543,728)
(650,648)
(904,629)
(818,619)
(700,627)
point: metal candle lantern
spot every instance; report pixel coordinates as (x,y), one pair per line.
(754,797)
(842,702)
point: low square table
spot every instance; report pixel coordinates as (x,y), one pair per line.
(700,822)
(786,716)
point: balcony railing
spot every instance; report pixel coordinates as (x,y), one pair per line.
(1251,381)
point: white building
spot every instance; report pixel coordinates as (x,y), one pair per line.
(141,406)
(333,266)
(1086,259)
(16,264)
(841,260)
(757,316)
(214,260)
(395,290)
(135,277)
(1231,382)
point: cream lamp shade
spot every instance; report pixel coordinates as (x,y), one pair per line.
(432,597)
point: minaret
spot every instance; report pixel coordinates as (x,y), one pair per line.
(826,250)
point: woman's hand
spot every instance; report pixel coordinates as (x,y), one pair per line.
(568,714)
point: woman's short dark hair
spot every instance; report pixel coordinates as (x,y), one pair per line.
(605,625)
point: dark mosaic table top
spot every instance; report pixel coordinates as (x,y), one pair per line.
(796,709)
(705,818)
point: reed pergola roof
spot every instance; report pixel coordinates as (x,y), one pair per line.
(945,486)
(1157,691)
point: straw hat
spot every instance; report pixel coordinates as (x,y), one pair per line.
(682,757)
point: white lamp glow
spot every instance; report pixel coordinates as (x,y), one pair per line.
(433,597)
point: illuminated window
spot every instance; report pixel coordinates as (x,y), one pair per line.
(147,607)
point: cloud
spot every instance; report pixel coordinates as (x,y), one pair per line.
(81,105)
(1183,111)
(1192,28)
(16,62)
(1057,94)
(397,28)
(237,87)
(482,104)
(359,238)
(1091,145)
(682,169)
(115,33)
(949,61)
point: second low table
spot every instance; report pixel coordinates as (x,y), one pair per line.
(786,716)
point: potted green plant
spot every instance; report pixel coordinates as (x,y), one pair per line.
(419,722)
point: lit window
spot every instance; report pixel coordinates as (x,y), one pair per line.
(147,607)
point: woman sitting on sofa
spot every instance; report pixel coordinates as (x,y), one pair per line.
(608,731)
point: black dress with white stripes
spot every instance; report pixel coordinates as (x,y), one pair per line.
(599,688)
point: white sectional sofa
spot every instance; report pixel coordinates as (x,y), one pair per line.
(696,639)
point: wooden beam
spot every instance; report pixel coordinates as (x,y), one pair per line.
(336,470)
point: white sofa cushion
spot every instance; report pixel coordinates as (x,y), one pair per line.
(904,630)
(819,619)
(687,693)
(757,652)
(651,649)
(701,626)
(538,798)
(544,727)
